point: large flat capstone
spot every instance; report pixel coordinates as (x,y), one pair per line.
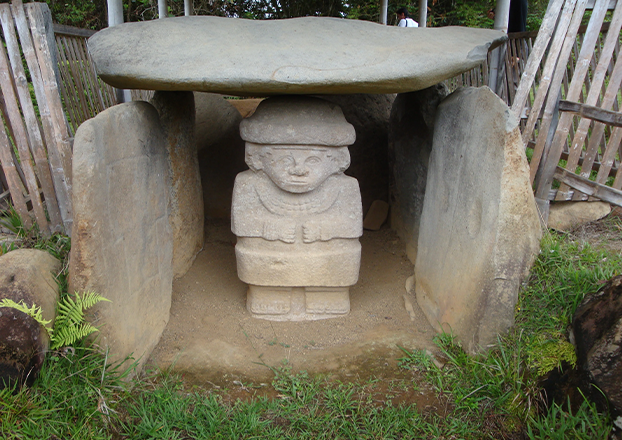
(300,55)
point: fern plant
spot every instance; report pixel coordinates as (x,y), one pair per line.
(70,324)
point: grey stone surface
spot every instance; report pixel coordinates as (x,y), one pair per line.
(301,55)
(221,151)
(597,329)
(122,242)
(564,216)
(369,114)
(411,131)
(296,215)
(27,275)
(479,230)
(176,110)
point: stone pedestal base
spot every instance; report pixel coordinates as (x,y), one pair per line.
(297,303)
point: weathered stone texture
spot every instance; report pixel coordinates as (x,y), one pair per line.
(27,275)
(306,55)
(597,329)
(176,111)
(221,151)
(410,143)
(479,230)
(564,216)
(122,241)
(369,115)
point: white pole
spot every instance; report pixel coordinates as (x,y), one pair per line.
(115,17)
(502,17)
(423,12)
(115,12)
(162,9)
(384,6)
(188,8)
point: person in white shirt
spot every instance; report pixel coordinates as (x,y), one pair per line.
(404,20)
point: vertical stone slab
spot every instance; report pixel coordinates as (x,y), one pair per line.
(221,151)
(122,242)
(176,111)
(411,128)
(479,230)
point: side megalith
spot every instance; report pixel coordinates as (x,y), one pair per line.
(479,231)
(28,276)
(411,128)
(177,114)
(221,151)
(122,243)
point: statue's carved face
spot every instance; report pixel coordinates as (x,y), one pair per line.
(300,169)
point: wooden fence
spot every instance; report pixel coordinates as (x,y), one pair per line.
(564,60)
(35,144)
(573,156)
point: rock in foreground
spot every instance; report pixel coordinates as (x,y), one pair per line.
(301,55)
(597,328)
(26,275)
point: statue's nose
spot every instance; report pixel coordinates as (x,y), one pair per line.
(299,171)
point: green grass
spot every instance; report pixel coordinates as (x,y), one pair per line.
(494,395)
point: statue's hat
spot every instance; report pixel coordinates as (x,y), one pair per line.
(298,120)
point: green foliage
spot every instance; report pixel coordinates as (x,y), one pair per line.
(562,424)
(547,353)
(33,311)
(73,397)
(472,13)
(86,14)
(70,324)
(566,270)
(12,221)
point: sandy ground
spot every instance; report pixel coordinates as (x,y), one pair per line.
(212,339)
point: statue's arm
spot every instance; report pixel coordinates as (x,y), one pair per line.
(249,218)
(343,220)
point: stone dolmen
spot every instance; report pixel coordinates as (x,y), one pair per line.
(296,215)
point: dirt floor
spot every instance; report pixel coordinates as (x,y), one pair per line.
(212,339)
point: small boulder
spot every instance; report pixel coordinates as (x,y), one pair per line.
(597,329)
(564,216)
(29,276)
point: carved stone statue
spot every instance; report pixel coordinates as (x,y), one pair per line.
(296,215)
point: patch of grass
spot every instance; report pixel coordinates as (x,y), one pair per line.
(492,395)
(562,424)
(73,397)
(563,274)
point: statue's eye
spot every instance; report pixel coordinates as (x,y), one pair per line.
(313,160)
(286,161)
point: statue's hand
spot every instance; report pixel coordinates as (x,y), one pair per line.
(311,232)
(288,232)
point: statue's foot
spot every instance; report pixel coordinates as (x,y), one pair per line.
(297,303)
